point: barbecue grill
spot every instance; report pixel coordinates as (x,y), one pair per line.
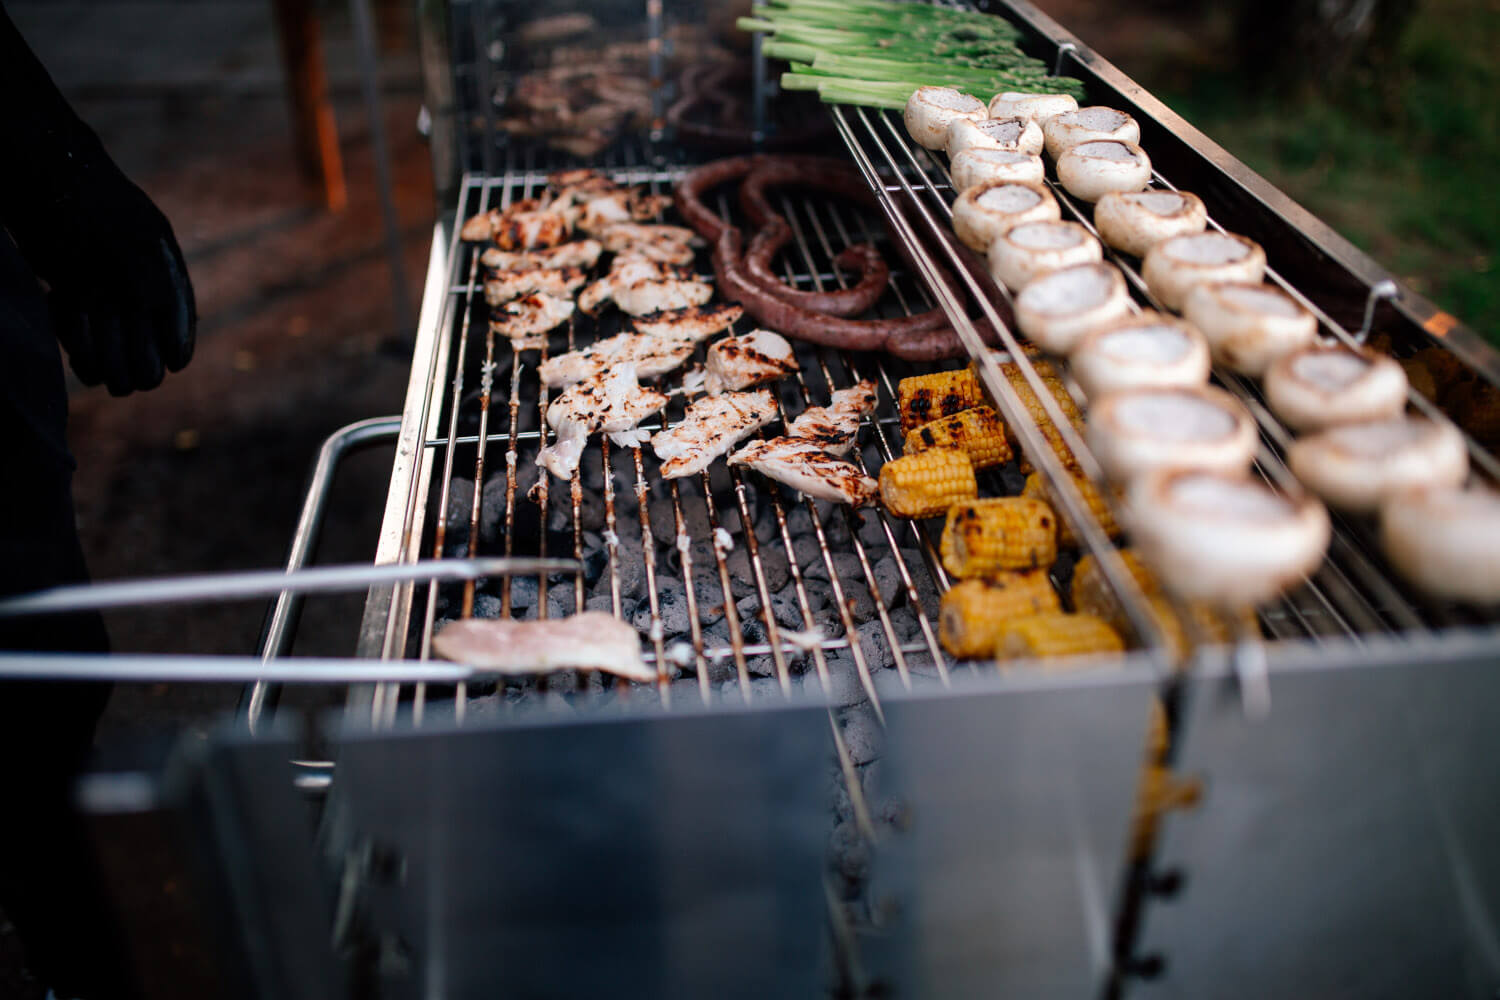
(814,797)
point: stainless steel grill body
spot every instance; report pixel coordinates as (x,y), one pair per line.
(967,754)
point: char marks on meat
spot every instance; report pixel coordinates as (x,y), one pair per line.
(580,253)
(526,319)
(612,402)
(560,282)
(751,359)
(667,244)
(711,426)
(801,464)
(833,427)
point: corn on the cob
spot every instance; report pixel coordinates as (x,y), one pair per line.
(1054,635)
(1038,414)
(928,483)
(985,536)
(975,611)
(1159,791)
(1092,594)
(923,398)
(978,431)
(1098,507)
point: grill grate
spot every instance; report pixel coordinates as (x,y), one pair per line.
(1354,593)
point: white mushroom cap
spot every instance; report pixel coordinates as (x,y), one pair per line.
(1069,128)
(1225,538)
(975,166)
(1095,168)
(1059,307)
(1135,221)
(1025,252)
(1037,107)
(1200,427)
(1446,540)
(1248,326)
(1356,466)
(1150,349)
(930,110)
(985,211)
(1173,266)
(1020,134)
(1321,386)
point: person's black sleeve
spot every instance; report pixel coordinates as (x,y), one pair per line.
(120,297)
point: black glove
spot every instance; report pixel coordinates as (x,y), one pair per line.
(121,301)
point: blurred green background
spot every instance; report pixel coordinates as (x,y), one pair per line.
(1390,133)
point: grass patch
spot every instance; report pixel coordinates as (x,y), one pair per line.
(1404,163)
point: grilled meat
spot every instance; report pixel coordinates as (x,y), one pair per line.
(652,355)
(639,285)
(612,402)
(527,318)
(756,357)
(712,426)
(834,426)
(803,465)
(581,253)
(698,322)
(668,244)
(528,224)
(592,640)
(559,282)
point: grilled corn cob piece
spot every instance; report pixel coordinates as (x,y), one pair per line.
(928,483)
(924,398)
(975,611)
(1037,487)
(984,536)
(978,431)
(1051,635)
(1092,594)
(1037,414)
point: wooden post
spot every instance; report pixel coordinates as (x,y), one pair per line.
(313,123)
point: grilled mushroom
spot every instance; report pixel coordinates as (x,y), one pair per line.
(1031,249)
(1135,431)
(975,166)
(1147,350)
(985,211)
(1037,107)
(1248,326)
(1093,169)
(1224,537)
(1321,386)
(930,110)
(1446,541)
(1068,129)
(1057,309)
(1173,266)
(1020,134)
(1356,466)
(1135,221)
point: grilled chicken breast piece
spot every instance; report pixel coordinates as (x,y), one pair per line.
(639,286)
(833,427)
(579,253)
(526,319)
(660,345)
(592,640)
(612,402)
(627,269)
(756,357)
(712,426)
(803,465)
(559,283)
(668,244)
(528,224)
(699,322)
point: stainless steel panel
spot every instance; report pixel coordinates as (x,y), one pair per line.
(1020,790)
(1348,844)
(645,855)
